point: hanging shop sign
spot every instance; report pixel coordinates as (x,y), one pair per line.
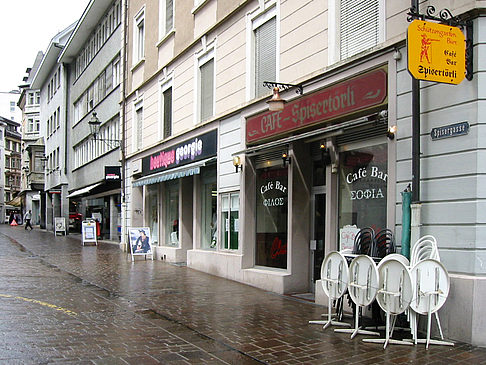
(356,94)
(436,52)
(452,130)
(112,173)
(192,150)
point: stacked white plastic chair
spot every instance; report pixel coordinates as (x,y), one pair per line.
(394,295)
(334,278)
(362,288)
(431,282)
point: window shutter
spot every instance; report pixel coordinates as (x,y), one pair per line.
(265,55)
(360,27)
(207,96)
(167,112)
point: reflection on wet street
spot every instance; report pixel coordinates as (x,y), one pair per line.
(67,303)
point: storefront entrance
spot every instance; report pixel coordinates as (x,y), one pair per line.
(318,220)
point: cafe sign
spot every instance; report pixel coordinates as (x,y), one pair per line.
(436,52)
(344,98)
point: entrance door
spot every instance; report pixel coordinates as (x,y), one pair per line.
(318,216)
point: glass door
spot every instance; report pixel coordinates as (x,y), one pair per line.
(318,224)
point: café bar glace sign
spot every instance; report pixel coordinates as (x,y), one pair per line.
(436,52)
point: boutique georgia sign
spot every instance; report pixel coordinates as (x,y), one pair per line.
(355,94)
(436,52)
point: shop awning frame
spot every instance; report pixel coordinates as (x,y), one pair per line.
(326,132)
(175,173)
(83,190)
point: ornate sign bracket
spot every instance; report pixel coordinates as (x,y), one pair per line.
(446,17)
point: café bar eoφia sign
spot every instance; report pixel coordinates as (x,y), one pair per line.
(436,52)
(347,97)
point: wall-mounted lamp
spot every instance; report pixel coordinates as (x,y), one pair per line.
(276,103)
(392,130)
(237,163)
(325,153)
(94,127)
(285,159)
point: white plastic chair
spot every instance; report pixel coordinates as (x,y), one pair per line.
(425,248)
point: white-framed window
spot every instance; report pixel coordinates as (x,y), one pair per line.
(138,125)
(262,48)
(139,37)
(165,129)
(37,97)
(166,21)
(116,71)
(205,82)
(354,26)
(230,214)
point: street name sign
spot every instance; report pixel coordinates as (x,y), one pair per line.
(436,52)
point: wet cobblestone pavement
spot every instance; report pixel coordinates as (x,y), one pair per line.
(61,302)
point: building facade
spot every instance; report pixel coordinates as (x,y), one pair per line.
(92,54)
(32,173)
(195,99)
(51,79)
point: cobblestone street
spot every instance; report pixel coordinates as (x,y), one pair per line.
(62,302)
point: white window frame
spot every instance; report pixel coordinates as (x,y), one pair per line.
(334,49)
(136,144)
(254,19)
(138,39)
(163,32)
(206,54)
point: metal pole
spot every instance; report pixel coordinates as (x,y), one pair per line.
(415,132)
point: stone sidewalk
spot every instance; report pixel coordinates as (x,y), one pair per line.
(62,302)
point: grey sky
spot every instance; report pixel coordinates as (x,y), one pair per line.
(26,27)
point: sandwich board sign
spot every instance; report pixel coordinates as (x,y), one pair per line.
(88,231)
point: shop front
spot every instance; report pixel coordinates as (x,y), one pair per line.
(178,191)
(317,168)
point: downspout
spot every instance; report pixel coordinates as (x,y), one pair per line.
(65,210)
(123,241)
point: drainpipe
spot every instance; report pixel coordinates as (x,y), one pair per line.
(123,55)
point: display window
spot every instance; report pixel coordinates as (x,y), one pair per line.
(209,197)
(230,227)
(271,217)
(363,178)
(153,205)
(172,215)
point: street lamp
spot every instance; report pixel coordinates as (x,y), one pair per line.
(94,128)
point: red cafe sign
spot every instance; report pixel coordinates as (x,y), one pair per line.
(361,92)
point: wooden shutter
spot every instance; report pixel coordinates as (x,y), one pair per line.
(207,89)
(265,55)
(167,112)
(359,26)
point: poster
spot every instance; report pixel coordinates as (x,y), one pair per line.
(140,241)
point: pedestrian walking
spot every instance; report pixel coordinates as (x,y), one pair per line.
(27,218)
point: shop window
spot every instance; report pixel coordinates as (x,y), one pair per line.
(363,178)
(230,214)
(209,196)
(153,204)
(172,215)
(271,217)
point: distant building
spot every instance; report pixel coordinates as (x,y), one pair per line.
(32,173)
(51,80)
(8,105)
(12,153)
